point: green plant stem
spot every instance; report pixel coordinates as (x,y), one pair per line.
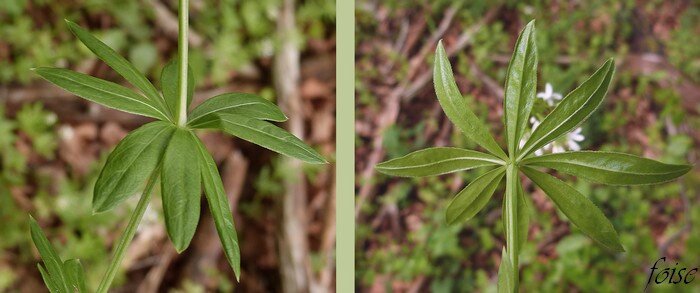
(511,219)
(183,26)
(129,233)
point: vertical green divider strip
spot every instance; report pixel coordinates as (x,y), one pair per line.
(345,147)
(182,40)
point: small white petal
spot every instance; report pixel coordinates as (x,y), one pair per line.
(573,146)
(576,137)
(548,89)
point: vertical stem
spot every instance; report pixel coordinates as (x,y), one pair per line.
(182,39)
(129,233)
(511,217)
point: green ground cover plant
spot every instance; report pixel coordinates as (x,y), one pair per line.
(166,150)
(611,168)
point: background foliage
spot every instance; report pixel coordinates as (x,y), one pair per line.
(651,110)
(52,145)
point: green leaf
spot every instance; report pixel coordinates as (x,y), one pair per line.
(266,135)
(575,108)
(437,161)
(100,91)
(235,103)
(54,275)
(168,83)
(474,197)
(220,208)
(130,164)
(119,64)
(76,275)
(579,209)
(181,185)
(456,108)
(521,81)
(506,282)
(609,167)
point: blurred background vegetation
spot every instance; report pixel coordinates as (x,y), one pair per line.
(53,144)
(403,244)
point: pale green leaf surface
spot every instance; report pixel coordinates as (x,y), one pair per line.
(437,161)
(577,208)
(54,266)
(521,83)
(100,91)
(119,64)
(130,164)
(266,135)
(76,275)
(474,197)
(181,185)
(573,110)
(506,282)
(455,105)
(248,105)
(220,208)
(610,167)
(169,87)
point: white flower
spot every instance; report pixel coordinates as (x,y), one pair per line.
(549,95)
(573,138)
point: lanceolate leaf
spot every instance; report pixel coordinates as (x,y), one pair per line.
(181,184)
(506,280)
(220,208)
(474,197)
(609,167)
(168,84)
(247,105)
(130,164)
(76,275)
(103,92)
(575,108)
(119,64)
(455,105)
(521,80)
(579,209)
(54,275)
(266,135)
(437,161)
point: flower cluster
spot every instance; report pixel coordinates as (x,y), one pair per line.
(570,141)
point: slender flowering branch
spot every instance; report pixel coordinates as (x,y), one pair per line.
(129,233)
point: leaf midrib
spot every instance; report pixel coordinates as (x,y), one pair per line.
(201,116)
(495,162)
(521,97)
(602,169)
(117,94)
(285,139)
